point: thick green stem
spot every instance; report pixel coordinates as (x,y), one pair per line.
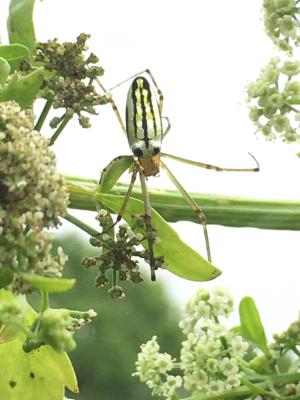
(60,129)
(83,226)
(45,300)
(43,115)
(218,209)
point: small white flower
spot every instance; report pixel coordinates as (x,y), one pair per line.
(130,233)
(102,212)
(92,313)
(233,381)
(239,346)
(163,362)
(228,366)
(139,236)
(212,365)
(215,387)
(105,237)
(21,184)
(39,215)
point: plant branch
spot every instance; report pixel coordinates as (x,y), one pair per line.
(218,209)
(60,128)
(43,115)
(83,226)
(45,300)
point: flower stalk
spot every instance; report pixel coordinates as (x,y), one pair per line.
(219,209)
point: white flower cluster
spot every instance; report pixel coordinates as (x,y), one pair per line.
(32,194)
(210,355)
(282,24)
(152,367)
(274,98)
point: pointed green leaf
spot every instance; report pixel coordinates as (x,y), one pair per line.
(23,90)
(42,374)
(4,70)
(20,24)
(6,276)
(112,172)
(251,326)
(14,54)
(180,259)
(48,284)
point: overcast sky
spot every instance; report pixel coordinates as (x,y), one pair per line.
(202,55)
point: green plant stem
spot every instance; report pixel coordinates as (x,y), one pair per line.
(45,300)
(83,226)
(43,115)
(246,391)
(60,128)
(218,209)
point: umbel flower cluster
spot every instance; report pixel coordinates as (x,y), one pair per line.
(282,22)
(275,96)
(56,328)
(32,197)
(120,253)
(70,85)
(274,100)
(210,355)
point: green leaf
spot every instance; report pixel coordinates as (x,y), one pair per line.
(251,326)
(6,276)
(181,259)
(41,374)
(23,90)
(4,70)
(112,172)
(10,331)
(20,24)
(48,284)
(14,54)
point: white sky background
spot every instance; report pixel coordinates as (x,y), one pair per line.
(202,54)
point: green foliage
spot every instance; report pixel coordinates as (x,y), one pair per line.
(4,70)
(24,89)
(24,375)
(48,284)
(14,54)
(180,259)
(106,349)
(112,172)
(216,363)
(251,326)
(6,277)
(20,24)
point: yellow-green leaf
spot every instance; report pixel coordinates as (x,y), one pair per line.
(112,172)
(42,374)
(180,259)
(14,54)
(20,24)
(23,90)
(48,284)
(4,70)
(251,326)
